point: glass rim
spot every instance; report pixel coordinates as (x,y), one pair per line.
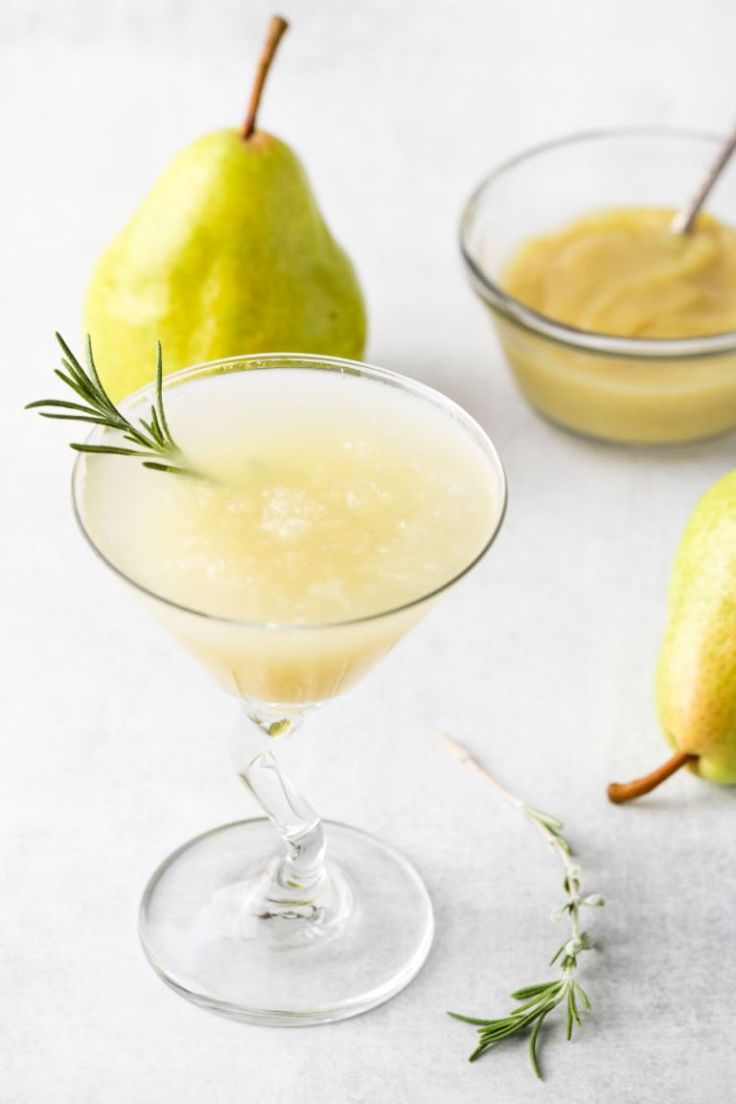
(317,362)
(490,290)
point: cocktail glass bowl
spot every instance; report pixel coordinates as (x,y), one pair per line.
(288,919)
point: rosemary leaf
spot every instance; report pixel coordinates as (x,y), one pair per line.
(113,450)
(533,1056)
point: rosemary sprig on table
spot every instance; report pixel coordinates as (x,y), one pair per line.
(538,1001)
(151,438)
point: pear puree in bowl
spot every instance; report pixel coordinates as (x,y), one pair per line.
(623,273)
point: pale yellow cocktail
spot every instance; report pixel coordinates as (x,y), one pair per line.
(326,498)
(288,517)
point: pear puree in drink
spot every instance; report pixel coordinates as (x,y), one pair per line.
(624,273)
(328,500)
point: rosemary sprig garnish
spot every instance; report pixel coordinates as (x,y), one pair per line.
(538,1001)
(151,438)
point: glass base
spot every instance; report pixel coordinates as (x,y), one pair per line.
(356,943)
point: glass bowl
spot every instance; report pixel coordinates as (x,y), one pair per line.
(639,390)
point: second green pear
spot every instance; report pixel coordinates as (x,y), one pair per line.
(696,673)
(696,670)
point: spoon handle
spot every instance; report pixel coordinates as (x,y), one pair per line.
(685,217)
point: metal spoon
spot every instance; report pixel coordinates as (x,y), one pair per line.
(683,221)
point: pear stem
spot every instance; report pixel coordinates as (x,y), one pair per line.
(276,29)
(619,792)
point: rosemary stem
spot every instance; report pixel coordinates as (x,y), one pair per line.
(464,756)
(153,442)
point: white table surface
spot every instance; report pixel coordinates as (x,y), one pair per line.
(113,745)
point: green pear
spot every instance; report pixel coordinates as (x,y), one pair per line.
(227,254)
(696,671)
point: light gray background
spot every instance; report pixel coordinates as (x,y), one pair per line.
(113,743)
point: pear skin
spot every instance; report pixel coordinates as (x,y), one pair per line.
(696,672)
(695,679)
(227,254)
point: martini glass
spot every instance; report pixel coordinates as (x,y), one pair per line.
(289,919)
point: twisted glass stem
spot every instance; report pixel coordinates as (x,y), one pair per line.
(300,872)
